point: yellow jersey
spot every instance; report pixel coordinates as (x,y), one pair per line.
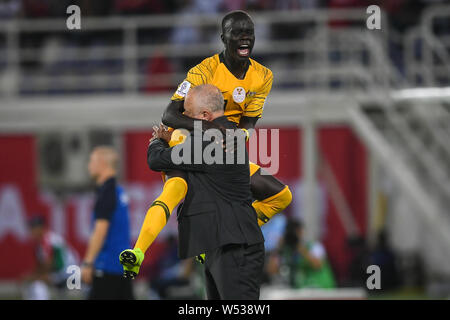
(244,97)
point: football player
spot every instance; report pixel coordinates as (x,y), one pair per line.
(245,85)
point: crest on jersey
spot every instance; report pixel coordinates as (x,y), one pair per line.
(239,94)
(183,88)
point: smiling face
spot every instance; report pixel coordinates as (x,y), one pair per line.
(238,35)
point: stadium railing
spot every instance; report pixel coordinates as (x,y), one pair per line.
(427,49)
(322,50)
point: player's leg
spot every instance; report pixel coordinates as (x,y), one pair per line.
(272,196)
(158,214)
(175,188)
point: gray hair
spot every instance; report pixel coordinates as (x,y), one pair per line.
(209,97)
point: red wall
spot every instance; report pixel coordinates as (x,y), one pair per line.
(347,158)
(17,169)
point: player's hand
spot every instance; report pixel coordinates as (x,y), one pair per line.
(162,132)
(131,260)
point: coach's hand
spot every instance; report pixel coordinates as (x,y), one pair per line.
(131,260)
(162,132)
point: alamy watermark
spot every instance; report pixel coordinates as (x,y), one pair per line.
(74,279)
(213,147)
(374,20)
(374,280)
(73,22)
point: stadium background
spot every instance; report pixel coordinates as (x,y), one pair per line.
(363,118)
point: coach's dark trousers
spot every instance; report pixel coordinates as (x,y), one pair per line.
(234,272)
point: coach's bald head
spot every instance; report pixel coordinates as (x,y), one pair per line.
(204,102)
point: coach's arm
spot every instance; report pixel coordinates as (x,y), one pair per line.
(173,117)
(159,156)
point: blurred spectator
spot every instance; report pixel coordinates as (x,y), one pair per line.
(159,70)
(10,8)
(231,5)
(36,8)
(358,250)
(184,34)
(142,7)
(293,30)
(95,8)
(297,4)
(383,256)
(173,278)
(345,4)
(402,14)
(303,264)
(53,256)
(273,232)
(45,8)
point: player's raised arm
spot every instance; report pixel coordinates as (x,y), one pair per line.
(173,117)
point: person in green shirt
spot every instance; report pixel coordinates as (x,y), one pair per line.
(306,261)
(53,255)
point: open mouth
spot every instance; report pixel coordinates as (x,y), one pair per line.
(243,51)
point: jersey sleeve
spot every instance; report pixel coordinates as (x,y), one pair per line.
(196,76)
(256,105)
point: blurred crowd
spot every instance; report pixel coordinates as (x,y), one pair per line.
(55,60)
(402,14)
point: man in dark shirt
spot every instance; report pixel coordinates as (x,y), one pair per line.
(217,217)
(111,232)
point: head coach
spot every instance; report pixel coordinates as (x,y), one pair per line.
(217,217)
